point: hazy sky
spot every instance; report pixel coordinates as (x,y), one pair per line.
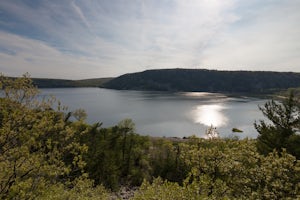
(78,39)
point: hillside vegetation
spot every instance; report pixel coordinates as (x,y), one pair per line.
(62,83)
(48,152)
(199,80)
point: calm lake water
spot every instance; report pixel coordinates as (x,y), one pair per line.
(165,114)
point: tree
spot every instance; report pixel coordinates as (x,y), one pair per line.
(229,169)
(284,128)
(39,150)
(116,156)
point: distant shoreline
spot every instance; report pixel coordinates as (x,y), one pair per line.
(261,84)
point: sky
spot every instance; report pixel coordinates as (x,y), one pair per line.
(79,39)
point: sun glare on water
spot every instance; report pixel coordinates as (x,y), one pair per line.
(210,115)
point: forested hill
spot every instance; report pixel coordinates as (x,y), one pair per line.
(202,80)
(63,83)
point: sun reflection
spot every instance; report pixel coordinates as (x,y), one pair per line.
(210,115)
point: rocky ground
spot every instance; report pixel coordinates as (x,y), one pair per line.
(124,193)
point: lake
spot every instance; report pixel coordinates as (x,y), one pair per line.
(164,113)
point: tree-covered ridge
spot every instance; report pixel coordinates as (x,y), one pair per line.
(47,152)
(201,80)
(64,83)
(60,83)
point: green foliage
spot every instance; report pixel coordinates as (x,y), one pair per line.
(18,90)
(285,93)
(166,162)
(166,190)
(117,155)
(80,189)
(38,145)
(229,169)
(45,155)
(284,128)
